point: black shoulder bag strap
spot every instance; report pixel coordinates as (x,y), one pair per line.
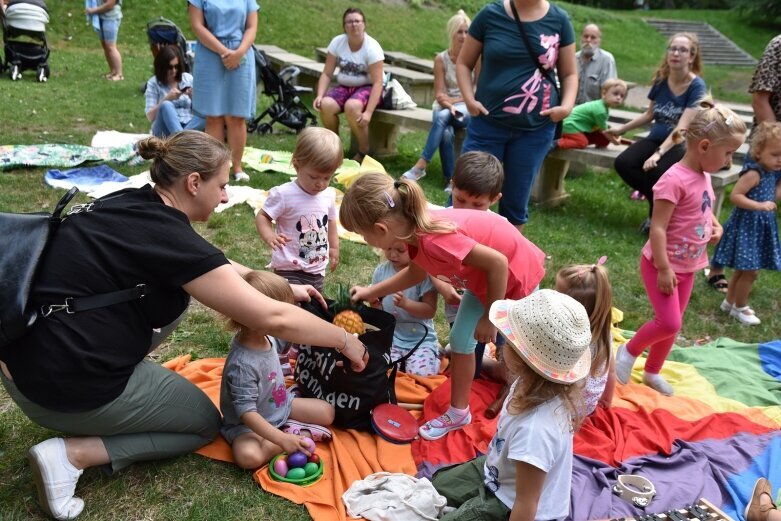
(76,304)
(545,72)
(401,362)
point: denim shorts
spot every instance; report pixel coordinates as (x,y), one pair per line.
(109,29)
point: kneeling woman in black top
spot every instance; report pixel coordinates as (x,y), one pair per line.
(86,373)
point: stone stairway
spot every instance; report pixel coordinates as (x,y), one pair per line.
(716,48)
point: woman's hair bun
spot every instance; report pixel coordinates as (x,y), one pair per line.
(151,148)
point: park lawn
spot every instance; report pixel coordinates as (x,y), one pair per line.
(599,219)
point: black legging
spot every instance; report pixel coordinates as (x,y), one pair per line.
(629,165)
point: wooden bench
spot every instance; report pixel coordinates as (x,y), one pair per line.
(549,190)
(386,124)
(419,85)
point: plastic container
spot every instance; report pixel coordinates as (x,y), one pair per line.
(303,482)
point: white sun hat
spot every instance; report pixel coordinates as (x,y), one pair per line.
(550,331)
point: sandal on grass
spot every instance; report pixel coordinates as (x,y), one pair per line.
(718,282)
(316,432)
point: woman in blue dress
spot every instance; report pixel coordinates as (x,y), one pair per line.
(750,240)
(224,85)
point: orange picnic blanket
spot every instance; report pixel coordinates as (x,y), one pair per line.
(349,457)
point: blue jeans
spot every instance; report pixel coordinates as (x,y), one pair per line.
(442,136)
(167,121)
(521,152)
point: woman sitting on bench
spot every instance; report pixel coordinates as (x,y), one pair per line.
(359,81)
(450,110)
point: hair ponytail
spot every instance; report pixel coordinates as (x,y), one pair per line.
(375,197)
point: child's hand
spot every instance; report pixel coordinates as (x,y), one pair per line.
(290,443)
(399,300)
(485,331)
(452,297)
(277,241)
(716,234)
(767,206)
(612,137)
(666,281)
(359,294)
(333,258)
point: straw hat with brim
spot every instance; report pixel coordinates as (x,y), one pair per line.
(550,331)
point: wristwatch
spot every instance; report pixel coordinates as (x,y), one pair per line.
(636,489)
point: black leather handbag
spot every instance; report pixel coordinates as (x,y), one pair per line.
(23,242)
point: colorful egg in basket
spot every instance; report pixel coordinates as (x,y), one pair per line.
(308,474)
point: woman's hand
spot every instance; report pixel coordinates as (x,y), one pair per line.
(666,281)
(356,352)
(476,108)
(173,94)
(291,443)
(317,102)
(485,331)
(652,161)
(556,114)
(364,119)
(305,293)
(231,59)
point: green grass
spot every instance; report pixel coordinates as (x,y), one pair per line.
(599,219)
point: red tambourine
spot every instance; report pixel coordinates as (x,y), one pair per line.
(394,423)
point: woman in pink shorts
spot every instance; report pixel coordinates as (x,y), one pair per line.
(358,88)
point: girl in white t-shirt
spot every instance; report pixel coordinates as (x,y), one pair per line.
(682,226)
(527,473)
(305,239)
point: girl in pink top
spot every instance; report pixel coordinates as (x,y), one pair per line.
(682,226)
(480,253)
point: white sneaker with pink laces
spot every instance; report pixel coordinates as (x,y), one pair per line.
(438,427)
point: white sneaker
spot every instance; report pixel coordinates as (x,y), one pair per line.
(55,478)
(745,315)
(241,176)
(726,307)
(414,174)
(658,383)
(624,364)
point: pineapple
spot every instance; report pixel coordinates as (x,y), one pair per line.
(346,317)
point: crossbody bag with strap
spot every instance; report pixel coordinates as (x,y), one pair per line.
(24,239)
(545,72)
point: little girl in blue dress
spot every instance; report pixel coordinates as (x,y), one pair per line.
(750,242)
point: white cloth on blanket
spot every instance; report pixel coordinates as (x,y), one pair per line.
(384,496)
(112,138)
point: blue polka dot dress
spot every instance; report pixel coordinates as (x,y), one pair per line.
(750,240)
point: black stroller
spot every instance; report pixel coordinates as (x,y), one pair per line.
(287,107)
(161,32)
(24,38)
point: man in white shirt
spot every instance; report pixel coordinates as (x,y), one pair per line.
(595,65)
